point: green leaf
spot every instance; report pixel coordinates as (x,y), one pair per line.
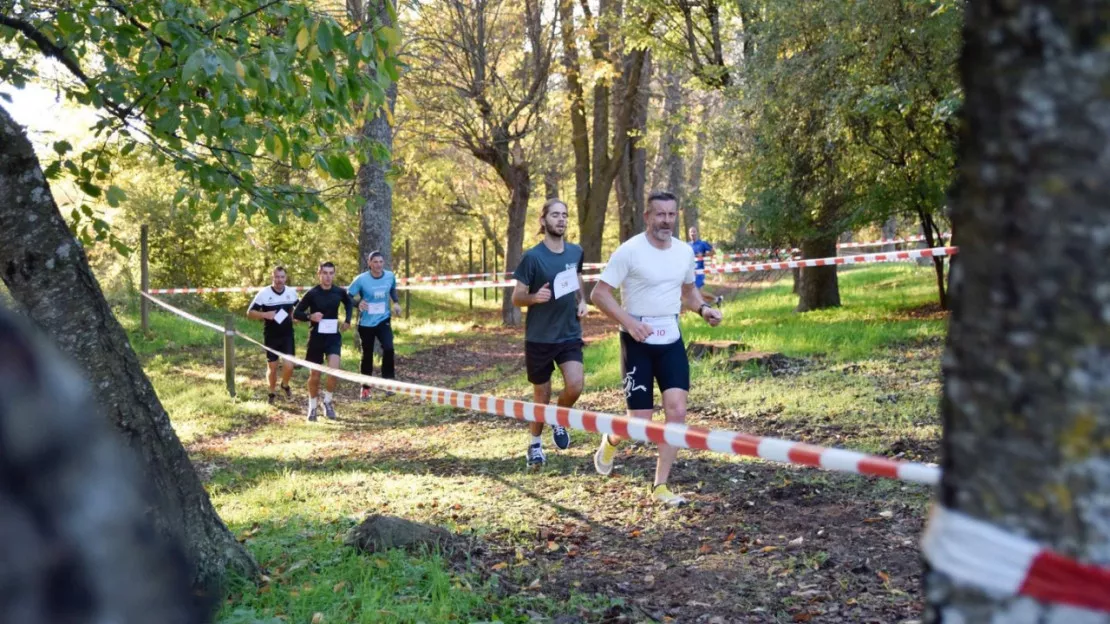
(66,22)
(115,195)
(89,188)
(391,38)
(179,195)
(323,38)
(340,166)
(61,147)
(193,64)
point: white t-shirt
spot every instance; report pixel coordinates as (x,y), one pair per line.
(650,279)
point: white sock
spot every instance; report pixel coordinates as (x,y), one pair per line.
(311,403)
(327,397)
(537,440)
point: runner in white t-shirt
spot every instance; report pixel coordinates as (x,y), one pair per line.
(655,273)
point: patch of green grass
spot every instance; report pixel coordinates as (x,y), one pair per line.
(312,574)
(871,320)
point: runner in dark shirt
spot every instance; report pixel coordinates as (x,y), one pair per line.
(549,284)
(320,307)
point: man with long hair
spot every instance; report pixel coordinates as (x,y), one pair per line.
(549,284)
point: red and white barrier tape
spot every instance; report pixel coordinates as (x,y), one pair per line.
(684,436)
(892,256)
(449,278)
(891,241)
(815,262)
(982,555)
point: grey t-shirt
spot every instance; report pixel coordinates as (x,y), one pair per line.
(556,320)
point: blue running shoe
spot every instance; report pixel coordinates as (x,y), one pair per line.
(560,436)
(536,458)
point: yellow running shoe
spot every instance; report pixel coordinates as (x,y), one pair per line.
(663,494)
(603,458)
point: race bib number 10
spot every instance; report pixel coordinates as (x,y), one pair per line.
(664,329)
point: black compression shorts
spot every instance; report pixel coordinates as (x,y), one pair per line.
(644,364)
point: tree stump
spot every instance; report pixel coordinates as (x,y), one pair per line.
(700,349)
(379,533)
(773,362)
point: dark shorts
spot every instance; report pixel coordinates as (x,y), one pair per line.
(319,346)
(540,358)
(281,344)
(643,364)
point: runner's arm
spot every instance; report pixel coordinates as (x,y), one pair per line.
(521,298)
(347,305)
(254,312)
(603,298)
(300,312)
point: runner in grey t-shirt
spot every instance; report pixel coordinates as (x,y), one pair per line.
(552,331)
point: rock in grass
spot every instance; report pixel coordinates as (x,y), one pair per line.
(379,533)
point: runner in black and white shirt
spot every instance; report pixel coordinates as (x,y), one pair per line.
(273,305)
(655,273)
(320,307)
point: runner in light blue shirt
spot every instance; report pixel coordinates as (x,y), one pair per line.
(376,293)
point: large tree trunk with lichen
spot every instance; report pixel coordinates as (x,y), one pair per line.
(1026,404)
(47,273)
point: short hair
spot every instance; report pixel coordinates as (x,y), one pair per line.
(278,268)
(375,254)
(661,196)
(325,265)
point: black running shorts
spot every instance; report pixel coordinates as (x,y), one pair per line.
(540,358)
(644,364)
(319,346)
(281,344)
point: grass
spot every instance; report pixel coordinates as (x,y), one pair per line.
(867,378)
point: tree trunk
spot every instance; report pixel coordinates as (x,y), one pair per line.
(888,230)
(669,172)
(47,273)
(594,173)
(375,231)
(931,232)
(580,138)
(691,204)
(817,286)
(631,176)
(1026,404)
(514,236)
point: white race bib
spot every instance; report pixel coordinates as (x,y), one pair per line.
(328,326)
(375,308)
(664,329)
(280,316)
(565,282)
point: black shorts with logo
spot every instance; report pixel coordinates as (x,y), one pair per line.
(540,358)
(320,345)
(644,364)
(281,344)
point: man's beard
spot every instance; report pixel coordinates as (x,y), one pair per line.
(555,233)
(657,232)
